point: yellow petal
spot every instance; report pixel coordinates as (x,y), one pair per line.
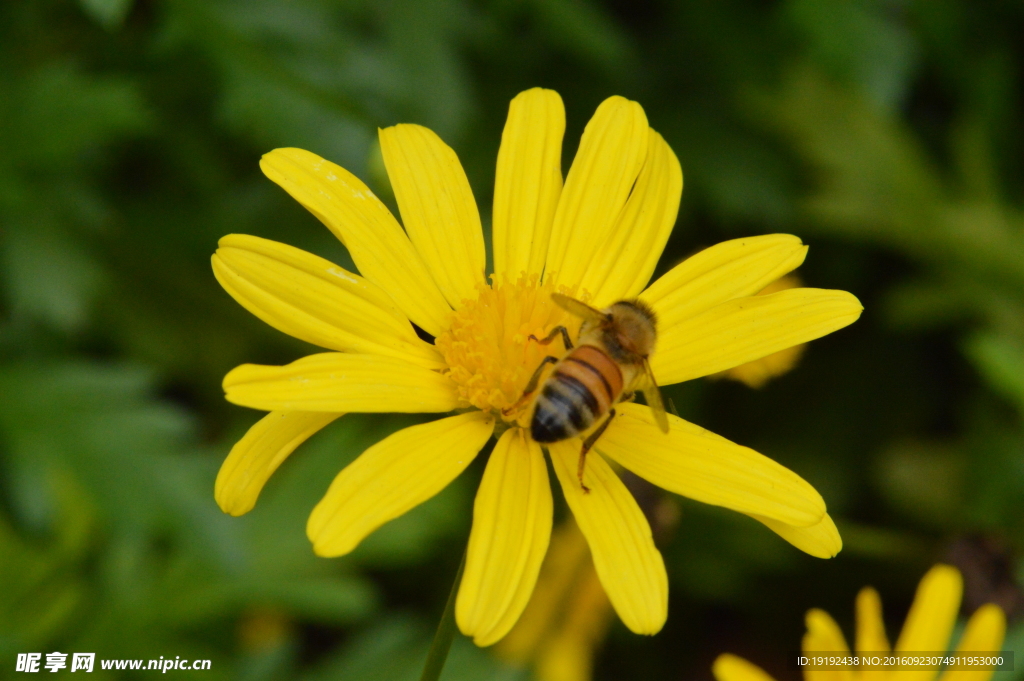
(985,630)
(871,636)
(565,657)
(696,463)
(731,269)
(316,301)
(746,329)
(398,473)
(511,529)
(755,374)
(983,634)
(567,555)
(257,455)
(612,152)
(568,654)
(729,667)
(824,636)
(630,567)
(340,382)
(932,615)
(375,240)
(527,182)
(624,264)
(820,540)
(438,209)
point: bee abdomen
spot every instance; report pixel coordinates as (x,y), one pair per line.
(582,388)
(565,407)
(595,370)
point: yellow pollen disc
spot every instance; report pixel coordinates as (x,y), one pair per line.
(488,351)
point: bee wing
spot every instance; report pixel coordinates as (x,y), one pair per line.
(576,307)
(653,396)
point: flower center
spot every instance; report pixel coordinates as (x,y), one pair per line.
(488,349)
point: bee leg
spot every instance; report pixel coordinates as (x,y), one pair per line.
(672,408)
(530,386)
(587,444)
(551,336)
(627,397)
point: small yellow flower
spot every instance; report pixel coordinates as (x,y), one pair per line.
(928,629)
(598,238)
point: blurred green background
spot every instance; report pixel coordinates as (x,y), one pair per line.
(887,134)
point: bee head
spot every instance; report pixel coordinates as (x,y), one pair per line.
(631,326)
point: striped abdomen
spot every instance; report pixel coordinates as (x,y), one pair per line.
(583,387)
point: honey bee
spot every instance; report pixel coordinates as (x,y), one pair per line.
(608,363)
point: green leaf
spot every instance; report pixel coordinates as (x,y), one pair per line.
(109,14)
(48,276)
(43,588)
(856,39)
(60,114)
(1000,359)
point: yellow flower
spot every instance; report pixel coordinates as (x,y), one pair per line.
(928,629)
(598,238)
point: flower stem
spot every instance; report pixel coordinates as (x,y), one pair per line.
(445,633)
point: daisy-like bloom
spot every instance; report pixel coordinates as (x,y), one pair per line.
(597,238)
(928,629)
